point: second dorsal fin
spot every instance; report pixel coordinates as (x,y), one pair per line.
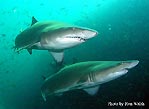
(34,20)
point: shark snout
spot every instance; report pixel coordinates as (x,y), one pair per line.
(95,33)
(133,64)
(90,34)
(126,65)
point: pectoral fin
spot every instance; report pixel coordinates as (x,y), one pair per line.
(43,96)
(92,90)
(58,56)
(29,50)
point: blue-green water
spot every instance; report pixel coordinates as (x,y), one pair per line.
(123,27)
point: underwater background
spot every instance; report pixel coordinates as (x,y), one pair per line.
(123,27)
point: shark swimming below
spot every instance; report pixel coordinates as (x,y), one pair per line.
(52,36)
(85,75)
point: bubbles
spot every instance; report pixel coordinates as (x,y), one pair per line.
(109,27)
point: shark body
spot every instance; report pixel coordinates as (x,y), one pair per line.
(52,36)
(85,75)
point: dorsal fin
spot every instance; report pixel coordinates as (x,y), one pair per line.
(29,50)
(34,20)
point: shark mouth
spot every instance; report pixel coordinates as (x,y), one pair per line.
(124,70)
(79,38)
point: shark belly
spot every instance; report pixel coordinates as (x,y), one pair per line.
(59,43)
(56,44)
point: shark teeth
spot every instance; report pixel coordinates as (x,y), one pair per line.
(80,38)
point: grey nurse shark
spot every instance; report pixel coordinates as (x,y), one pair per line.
(52,36)
(85,75)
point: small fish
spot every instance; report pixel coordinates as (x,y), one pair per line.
(85,75)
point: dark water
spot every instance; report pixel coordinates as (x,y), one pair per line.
(123,27)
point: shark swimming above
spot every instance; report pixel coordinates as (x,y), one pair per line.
(52,36)
(85,75)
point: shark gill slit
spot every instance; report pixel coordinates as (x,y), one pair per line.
(91,77)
